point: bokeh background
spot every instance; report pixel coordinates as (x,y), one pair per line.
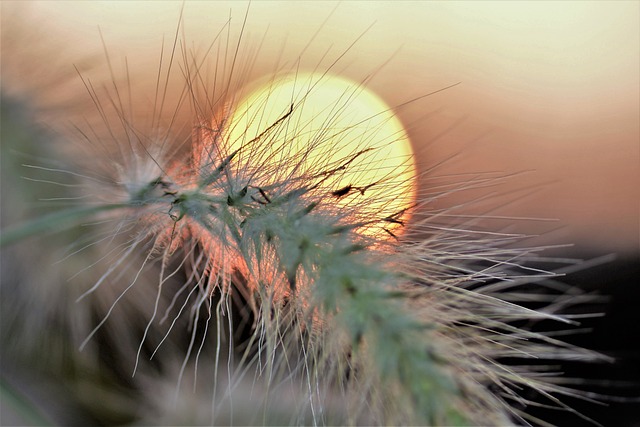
(548,91)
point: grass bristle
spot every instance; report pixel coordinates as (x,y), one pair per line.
(247,278)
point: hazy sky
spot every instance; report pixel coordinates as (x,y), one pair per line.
(550,87)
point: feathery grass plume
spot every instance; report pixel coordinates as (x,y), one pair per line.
(234,262)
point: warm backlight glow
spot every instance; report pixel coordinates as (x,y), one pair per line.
(313,123)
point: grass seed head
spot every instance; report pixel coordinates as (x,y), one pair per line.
(268,256)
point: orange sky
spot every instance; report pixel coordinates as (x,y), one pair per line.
(551,87)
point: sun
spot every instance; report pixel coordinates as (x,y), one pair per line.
(306,123)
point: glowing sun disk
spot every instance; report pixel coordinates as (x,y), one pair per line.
(310,123)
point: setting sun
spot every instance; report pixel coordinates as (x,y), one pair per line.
(327,123)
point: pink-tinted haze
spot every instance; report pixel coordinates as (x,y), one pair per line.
(550,87)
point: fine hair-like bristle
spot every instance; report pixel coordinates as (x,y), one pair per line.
(236,285)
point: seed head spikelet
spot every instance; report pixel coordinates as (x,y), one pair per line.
(230,245)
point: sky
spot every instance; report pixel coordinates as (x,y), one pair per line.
(550,88)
